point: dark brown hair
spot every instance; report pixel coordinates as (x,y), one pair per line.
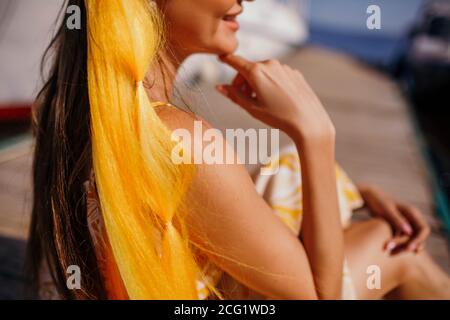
(59,234)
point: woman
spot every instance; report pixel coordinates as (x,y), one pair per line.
(109,199)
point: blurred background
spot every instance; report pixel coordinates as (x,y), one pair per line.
(387,91)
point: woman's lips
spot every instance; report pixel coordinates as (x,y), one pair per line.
(232,23)
(231,20)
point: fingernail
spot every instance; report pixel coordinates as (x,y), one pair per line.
(412,247)
(222,89)
(391,246)
(407,229)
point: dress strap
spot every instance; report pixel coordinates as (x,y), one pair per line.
(161,104)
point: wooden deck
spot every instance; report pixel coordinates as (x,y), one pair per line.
(376,144)
(376,140)
(15,199)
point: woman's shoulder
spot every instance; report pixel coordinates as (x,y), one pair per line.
(226,163)
(176,118)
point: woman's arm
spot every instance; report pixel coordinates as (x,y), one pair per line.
(237,227)
(321,230)
(280,97)
(231,223)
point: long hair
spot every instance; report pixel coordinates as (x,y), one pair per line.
(94,113)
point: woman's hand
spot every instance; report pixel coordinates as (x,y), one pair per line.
(410,228)
(278,96)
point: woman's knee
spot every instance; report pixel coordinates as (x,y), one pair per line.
(406,264)
(371,233)
(380,228)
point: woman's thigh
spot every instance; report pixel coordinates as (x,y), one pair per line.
(364,249)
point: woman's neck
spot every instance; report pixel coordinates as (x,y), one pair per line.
(160,78)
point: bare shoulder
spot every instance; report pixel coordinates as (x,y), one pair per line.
(213,168)
(175,118)
(195,129)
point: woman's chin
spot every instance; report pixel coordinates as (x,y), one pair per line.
(227,47)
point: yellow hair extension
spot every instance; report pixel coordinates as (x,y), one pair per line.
(141,190)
